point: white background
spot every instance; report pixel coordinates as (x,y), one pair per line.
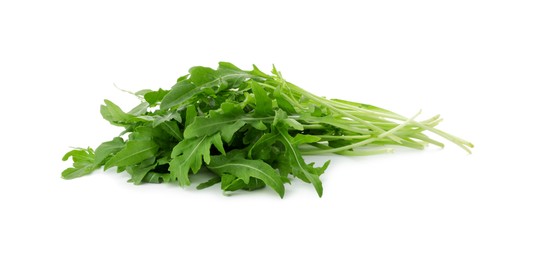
(471,61)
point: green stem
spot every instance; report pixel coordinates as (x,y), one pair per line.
(370,140)
(359,152)
(325,103)
(342,137)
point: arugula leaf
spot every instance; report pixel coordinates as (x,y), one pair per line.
(155,177)
(264,104)
(227,121)
(84,163)
(258,149)
(190,115)
(299,168)
(171,127)
(188,155)
(201,75)
(139,110)
(202,78)
(169,116)
(244,169)
(106,149)
(209,183)
(154,97)
(114,113)
(203,126)
(133,153)
(179,94)
(232,183)
(139,172)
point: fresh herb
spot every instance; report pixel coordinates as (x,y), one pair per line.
(248,128)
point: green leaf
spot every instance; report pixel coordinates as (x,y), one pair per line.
(201,75)
(138,172)
(257,72)
(257,124)
(279,117)
(285,105)
(171,127)
(265,141)
(155,177)
(244,169)
(227,120)
(106,149)
(169,116)
(202,126)
(83,163)
(133,153)
(146,133)
(230,182)
(179,95)
(139,109)
(154,97)
(264,104)
(209,183)
(293,124)
(190,114)
(305,139)
(234,75)
(200,79)
(189,154)
(71,173)
(254,184)
(114,114)
(142,92)
(299,167)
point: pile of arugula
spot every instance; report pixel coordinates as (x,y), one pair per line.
(248,128)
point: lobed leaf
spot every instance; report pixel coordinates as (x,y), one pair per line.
(245,169)
(106,149)
(203,126)
(189,155)
(155,97)
(299,167)
(134,152)
(179,95)
(83,163)
(264,104)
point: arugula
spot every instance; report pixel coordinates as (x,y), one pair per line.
(249,129)
(189,154)
(236,165)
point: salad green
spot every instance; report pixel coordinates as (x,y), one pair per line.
(249,129)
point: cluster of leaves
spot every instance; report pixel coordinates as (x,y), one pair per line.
(248,128)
